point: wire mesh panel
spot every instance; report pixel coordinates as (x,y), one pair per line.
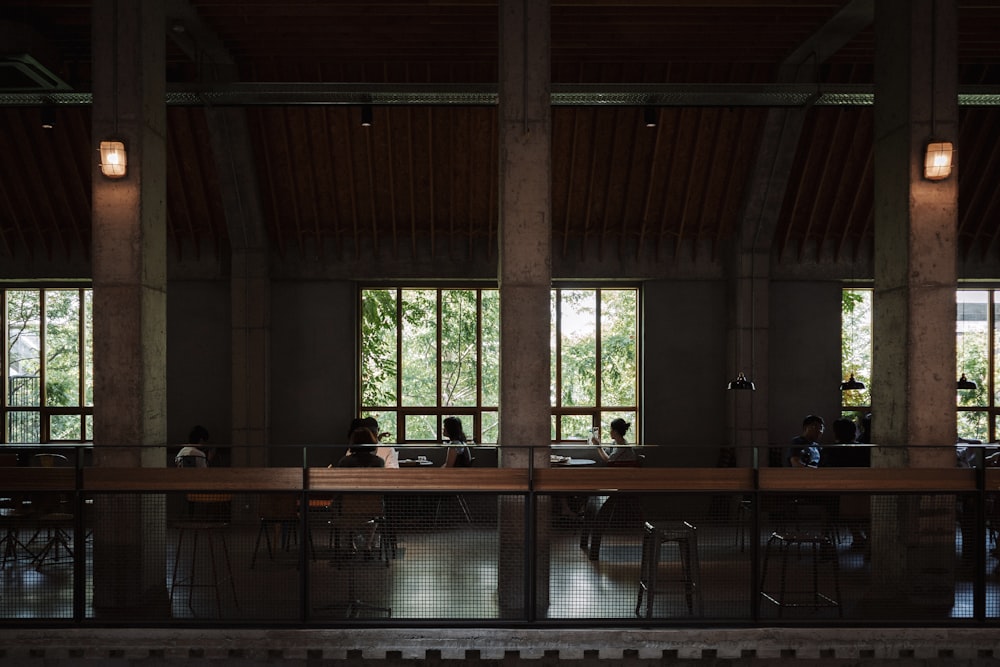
(422,556)
(877,557)
(39,543)
(695,543)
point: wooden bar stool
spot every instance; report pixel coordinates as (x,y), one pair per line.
(817,548)
(685,536)
(204,525)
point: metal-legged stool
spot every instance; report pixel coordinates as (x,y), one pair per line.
(685,536)
(818,548)
(214,533)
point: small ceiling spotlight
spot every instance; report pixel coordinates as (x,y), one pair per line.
(649,116)
(48,116)
(366,115)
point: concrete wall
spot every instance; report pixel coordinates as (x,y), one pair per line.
(804,359)
(684,371)
(198,359)
(313,367)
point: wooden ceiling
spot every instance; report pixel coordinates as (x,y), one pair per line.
(421,182)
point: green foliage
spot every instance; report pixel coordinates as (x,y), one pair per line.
(450,354)
(378,347)
(60,356)
(856,343)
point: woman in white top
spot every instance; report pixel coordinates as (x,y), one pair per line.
(622,451)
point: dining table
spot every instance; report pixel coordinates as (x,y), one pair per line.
(414,463)
(566,461)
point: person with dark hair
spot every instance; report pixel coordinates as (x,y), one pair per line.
(384,452)
(622,452)
(361,453)
(805,450)
(852,511)
(846,432)
(458,457)
(194,454)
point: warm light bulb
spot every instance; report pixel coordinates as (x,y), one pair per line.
(113,159)
(937,161)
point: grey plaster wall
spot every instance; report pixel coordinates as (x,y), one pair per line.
(312,367)
(684,374)
(804,357)
(198,359)
(684,371)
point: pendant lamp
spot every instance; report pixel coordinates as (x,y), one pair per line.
(851,384)
(741,382)
(966,383)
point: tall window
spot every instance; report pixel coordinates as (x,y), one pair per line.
(427,353)
(49,387)
(977,349)
(856,350)
(977,343)
(594,360)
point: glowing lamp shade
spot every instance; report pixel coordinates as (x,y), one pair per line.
(113,159)
(937,162)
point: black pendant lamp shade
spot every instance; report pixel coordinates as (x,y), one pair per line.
(966,383)
(741,382)
(851,384)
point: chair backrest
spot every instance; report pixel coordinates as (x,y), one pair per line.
(8,459)
(48,460)
(278,506)
(357,509)
(628,463)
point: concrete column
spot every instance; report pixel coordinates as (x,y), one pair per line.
(129,265)
(913,384)
(525,227)
(916,220)
(525,266)
(249,286)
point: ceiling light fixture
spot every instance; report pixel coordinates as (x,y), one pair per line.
(966,383)
(366,115)
(851,384)
(114,159)
(649,116)
(741,382)
(938,159)
(938,155)
(48,116)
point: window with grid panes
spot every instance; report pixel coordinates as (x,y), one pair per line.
(49,385)
(430,352)
(977,347)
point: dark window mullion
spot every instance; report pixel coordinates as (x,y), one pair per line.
(43,400)
(598,304)
(438,372)
(399,358)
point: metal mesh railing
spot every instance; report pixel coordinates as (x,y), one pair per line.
(153,547)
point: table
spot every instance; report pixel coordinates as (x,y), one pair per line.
(573,462)
(413,463)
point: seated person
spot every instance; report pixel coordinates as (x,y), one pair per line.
(193,455)
(386,453)
(805,450)
(361,453)
(458,457)
(621,453)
